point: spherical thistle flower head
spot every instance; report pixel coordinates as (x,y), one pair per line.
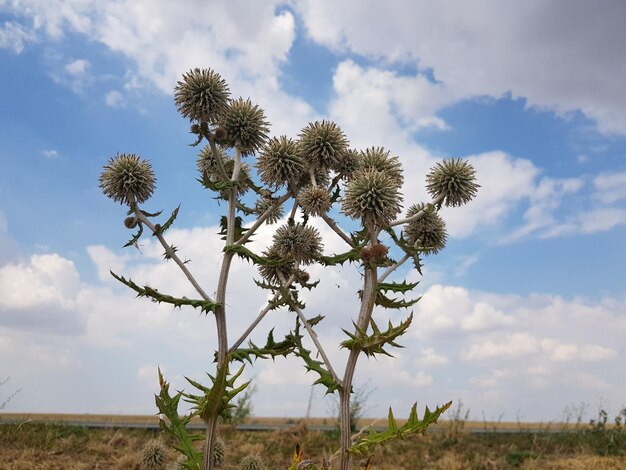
(131,222)
(202,95)
(251,462)
(323,144)
(273,273)
(372,196)
(245,126)
(126,178)
(377,158)
(206,161)
(298,242)
(280,162)
(349,164)
(315,201)
(275,210)
(454,179)
(428,232)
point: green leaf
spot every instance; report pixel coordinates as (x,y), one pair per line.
(374,344)
(352,255)
(271,349)
(148,214)
(249,255)
(205,306)
(176,425)
(397,286)
(386,302)
(412,426)
(135,239)
(160,229)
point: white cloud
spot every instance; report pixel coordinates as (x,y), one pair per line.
(50,153)
(429,358)
(610,188)
(77,67)
(14,36)
(491,48)
(114,99)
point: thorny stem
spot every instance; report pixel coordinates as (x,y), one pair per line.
(393,267)
(435,202)
(365,314)
(260,317)
(244,238)
(216,155)
(169,251)
(331,223)
(312,334)
(220,312)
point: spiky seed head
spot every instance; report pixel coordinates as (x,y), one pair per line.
(131,222)
(377,158)
(245,126)
(298,242)
(428,232)
(454,179)
(127,176)
(276,210)
(302,276)
(219,449)
(315,201)
(220,135)
(349,164)
(202,95)
(206,161)
(372,196)
(366,253)
(323,144)
(180,463)
(251,462)
(280,162)
(153,455)
(273,273)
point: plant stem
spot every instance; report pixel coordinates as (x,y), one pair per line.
(370,282)
(331,223)
(393,267)
(244,238)
(420,214)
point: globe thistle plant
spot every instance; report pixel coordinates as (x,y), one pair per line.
(131,222)
(377,158)
(315,201)
(454,180)
(245,126)
(372,196)
(274,273)
(323,144)
(280,162)
(218,452)
(251,462)
(349,164)
(298,242)
(153,455)
(126,179)
(206,161)
(428,232)
(202,95)
(276,210)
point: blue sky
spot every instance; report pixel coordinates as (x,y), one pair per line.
(523,313)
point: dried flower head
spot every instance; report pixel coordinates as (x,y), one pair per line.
(349,164)
(154,455)
(126,178)
(251,462)
(219,449)
(377,158)
(202,95)
(275,210)
(245,126)
(454,179)
(274,273)
(428,232)
(315,201)
(379,252)
(323,144)
(280,162)
(372,196)
(298,242)
(207,166)
(131,222)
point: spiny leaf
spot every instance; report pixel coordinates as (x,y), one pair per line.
(249,255)
(352,255)
(148,214)
(374,343)
(160,230)
(176,425)
(135,239)
(386,302)
(397,286)
(238,228)
(205,306)
(413,426)
(271,349)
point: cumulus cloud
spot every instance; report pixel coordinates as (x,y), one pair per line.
(529,49)
(15,36)
(114,99)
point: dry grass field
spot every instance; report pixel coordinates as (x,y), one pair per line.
(44,445)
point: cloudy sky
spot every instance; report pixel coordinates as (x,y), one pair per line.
(522,315)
